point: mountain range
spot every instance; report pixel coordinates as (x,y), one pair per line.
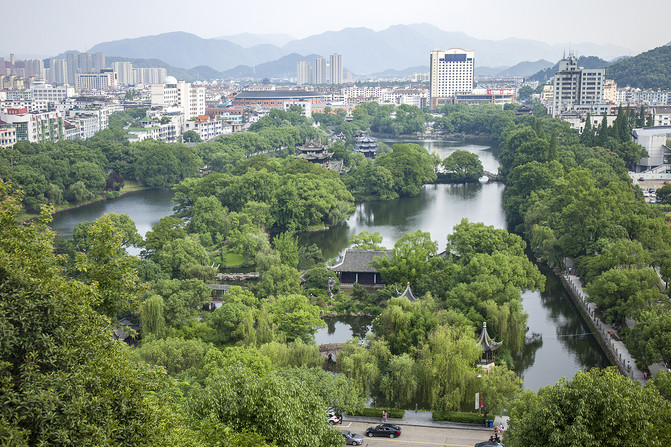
(364,50)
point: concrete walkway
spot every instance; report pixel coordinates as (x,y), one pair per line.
(626,362)
(424,419)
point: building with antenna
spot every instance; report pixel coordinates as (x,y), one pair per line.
(576,88)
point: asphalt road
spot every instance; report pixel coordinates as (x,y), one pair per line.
(414,436)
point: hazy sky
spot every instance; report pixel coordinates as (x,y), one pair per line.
(46,28)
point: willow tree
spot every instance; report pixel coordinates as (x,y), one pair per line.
(153,320)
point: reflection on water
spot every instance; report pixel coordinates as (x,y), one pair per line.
(144,207)
(564,349)
(568,345)
(341,329)
(437,209)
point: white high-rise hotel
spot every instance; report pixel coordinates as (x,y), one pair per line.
(451,71)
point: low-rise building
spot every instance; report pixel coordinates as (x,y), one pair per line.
(7,135)
(657,141)
(208,128)
(38,127)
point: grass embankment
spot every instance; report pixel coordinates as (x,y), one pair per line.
(233,260)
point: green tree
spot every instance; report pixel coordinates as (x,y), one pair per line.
(412,257)
(283,411)
(469,239)
(596,408)
(295,316)
(279,280)
(367,240)
(398,383)
(650,339)
(63,378)
(664,194)
(500,387)
(153,319)
(106,264)
(622,293)
(287,246)
(185,258)
(463,166)
(662,381)
(410,165)
(191,136)
(335,389)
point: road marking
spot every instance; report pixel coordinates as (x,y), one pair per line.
(425,443)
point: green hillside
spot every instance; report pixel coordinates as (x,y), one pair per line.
(647,70)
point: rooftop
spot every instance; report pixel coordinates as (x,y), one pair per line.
(358,260)
(277,94)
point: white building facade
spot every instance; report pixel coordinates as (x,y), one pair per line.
(450,71)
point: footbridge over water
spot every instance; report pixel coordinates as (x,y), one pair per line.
(330,351)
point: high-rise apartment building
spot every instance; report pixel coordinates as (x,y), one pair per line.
(59,71)
(73,66)
(99,62)
(451,71)
(124,72)
(319,70)
(85,63)
(335,68)
(577,88)
(303,71)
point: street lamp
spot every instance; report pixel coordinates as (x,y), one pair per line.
(479,396)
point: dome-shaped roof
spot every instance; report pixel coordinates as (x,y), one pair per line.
(170,80)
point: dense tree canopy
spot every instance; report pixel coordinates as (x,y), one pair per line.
(596,408)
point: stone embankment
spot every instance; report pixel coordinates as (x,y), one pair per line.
(605,334)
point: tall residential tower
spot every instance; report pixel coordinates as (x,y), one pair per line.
(335,61)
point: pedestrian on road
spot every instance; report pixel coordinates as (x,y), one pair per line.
(384,416)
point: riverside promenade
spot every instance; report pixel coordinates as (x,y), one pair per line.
(615,349)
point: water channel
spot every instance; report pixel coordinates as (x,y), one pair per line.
(566,347)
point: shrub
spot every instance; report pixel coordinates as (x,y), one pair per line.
(458,416)
(377,413)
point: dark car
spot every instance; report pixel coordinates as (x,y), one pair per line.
(352,438)
(386,430)
(489,444)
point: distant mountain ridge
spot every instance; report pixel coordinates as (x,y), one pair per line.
(247,40)
(363,50)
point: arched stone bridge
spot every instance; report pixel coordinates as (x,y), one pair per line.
(330,351)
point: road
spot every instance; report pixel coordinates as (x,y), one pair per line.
(414,436)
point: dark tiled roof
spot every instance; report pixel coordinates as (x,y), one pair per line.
(358,260)
(277,94)
(407,293)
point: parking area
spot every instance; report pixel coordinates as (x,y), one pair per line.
(645,185)
(414,436)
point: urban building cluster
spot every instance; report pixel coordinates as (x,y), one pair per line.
(72,98)
(576,94)
(320,71)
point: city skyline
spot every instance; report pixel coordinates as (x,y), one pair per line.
(522,19)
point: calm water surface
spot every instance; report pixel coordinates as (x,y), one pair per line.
(566,346)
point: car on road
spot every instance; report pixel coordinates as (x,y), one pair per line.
(386,430)
(352,438)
